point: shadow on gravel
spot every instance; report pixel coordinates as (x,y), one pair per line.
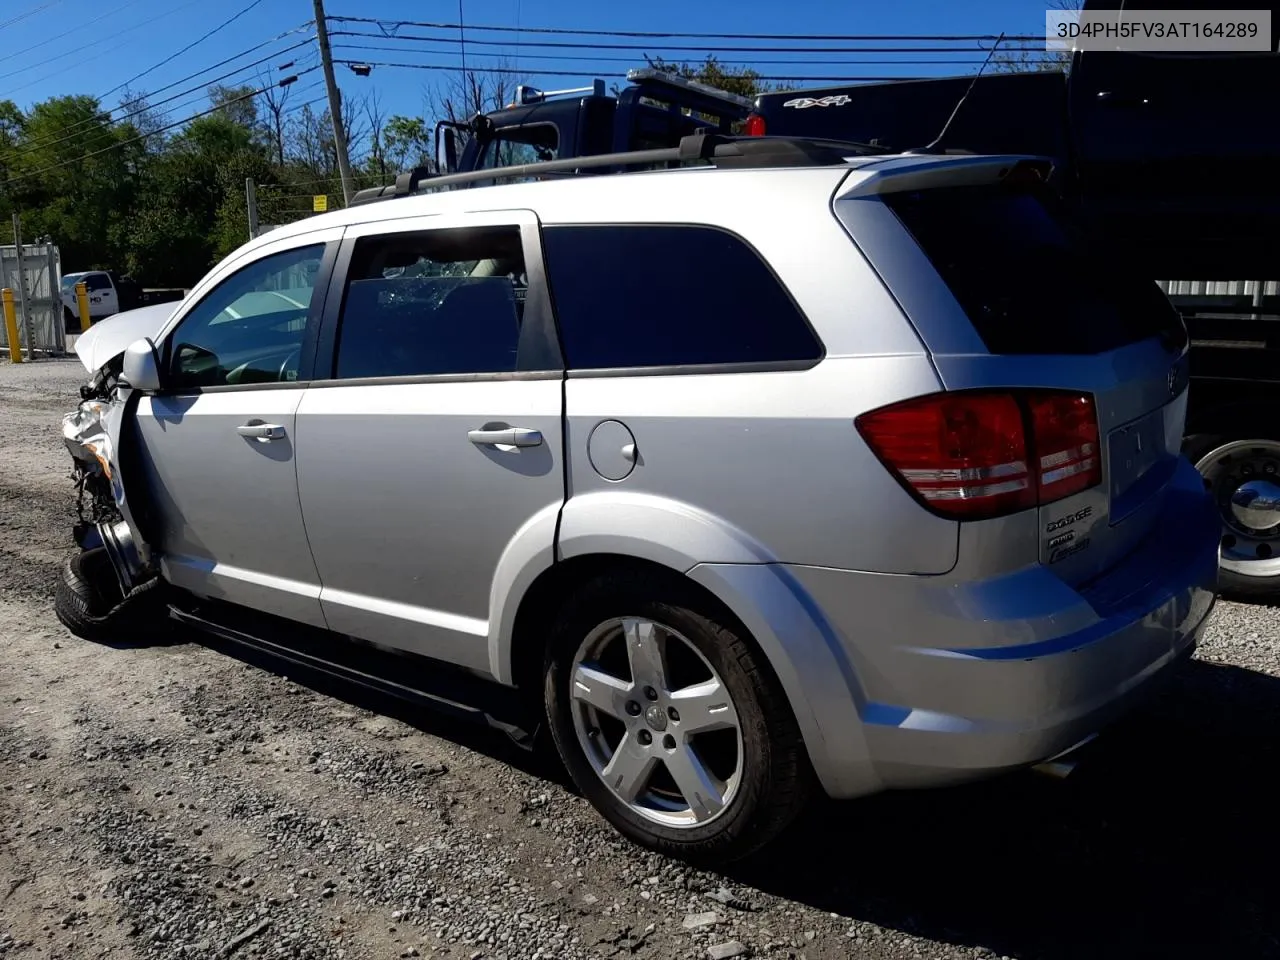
(1165,842)
(470,734)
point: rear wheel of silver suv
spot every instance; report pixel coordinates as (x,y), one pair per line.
(669,723)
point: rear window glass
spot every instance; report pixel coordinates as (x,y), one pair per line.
(1027,279)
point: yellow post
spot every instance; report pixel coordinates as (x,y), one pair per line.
(82,301)
(11,325)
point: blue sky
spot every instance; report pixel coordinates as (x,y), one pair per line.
(40,54)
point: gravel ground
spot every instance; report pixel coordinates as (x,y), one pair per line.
(181,801)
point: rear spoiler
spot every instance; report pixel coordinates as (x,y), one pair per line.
(922,171)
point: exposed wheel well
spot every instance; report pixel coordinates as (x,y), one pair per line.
(553,588)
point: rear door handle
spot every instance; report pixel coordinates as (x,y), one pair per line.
(509,437)
(261,431)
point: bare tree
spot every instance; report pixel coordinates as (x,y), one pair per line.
(310,139)
(376,117)
(355,123)
(1029,60)
(460,96)
(274,101)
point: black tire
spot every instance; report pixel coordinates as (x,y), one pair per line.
(69,321)
(777,779)
(1231,584)
(88,601)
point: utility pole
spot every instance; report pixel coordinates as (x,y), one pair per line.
(335,103)
(251,202)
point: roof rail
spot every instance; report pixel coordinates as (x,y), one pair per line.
(720,151)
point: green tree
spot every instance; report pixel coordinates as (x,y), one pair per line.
(406,143)
(71,172)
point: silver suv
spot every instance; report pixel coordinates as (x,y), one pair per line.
(797,468)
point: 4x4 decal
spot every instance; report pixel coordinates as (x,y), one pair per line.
(803,103)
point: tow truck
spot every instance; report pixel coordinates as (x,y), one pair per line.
(654,111)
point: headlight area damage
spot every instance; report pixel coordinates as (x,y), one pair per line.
(91,434)
(101,586)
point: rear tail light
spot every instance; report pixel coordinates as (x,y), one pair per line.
(979,454)
(1064,430)
(754,126)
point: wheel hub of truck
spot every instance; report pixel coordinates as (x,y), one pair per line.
(1244,477)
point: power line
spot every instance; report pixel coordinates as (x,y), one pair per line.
(727,63)
(164,129)
(223,63)
(563,73)
(29,13)
(641,47)
(193,43)
(660,35)
(105,117)
(106,52)
(66,33)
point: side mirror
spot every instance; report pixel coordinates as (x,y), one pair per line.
(141,368)
(450,151)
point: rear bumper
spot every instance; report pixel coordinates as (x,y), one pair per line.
(1069,693)
(947,681)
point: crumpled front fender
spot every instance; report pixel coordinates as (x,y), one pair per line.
(92,436)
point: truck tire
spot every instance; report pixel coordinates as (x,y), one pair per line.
(70,321)
(88,602)
(1241,468)
(708,782)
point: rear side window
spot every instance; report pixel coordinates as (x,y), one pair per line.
(669,296)
(1025,277)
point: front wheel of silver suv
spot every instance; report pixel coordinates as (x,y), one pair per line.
(670,723)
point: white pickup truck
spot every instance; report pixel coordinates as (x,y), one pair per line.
(109,294)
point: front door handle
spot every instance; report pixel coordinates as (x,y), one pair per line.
(508,437)
(261,431)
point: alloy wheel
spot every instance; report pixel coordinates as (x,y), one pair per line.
(656,722)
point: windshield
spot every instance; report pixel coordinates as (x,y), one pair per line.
(534,143)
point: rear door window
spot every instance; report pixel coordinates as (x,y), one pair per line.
(1028,281)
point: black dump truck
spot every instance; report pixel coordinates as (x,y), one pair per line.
(1172,162)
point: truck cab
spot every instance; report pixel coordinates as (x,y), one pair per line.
(655,110)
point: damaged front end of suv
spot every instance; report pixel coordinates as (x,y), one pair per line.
(92,435)
(115,566)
